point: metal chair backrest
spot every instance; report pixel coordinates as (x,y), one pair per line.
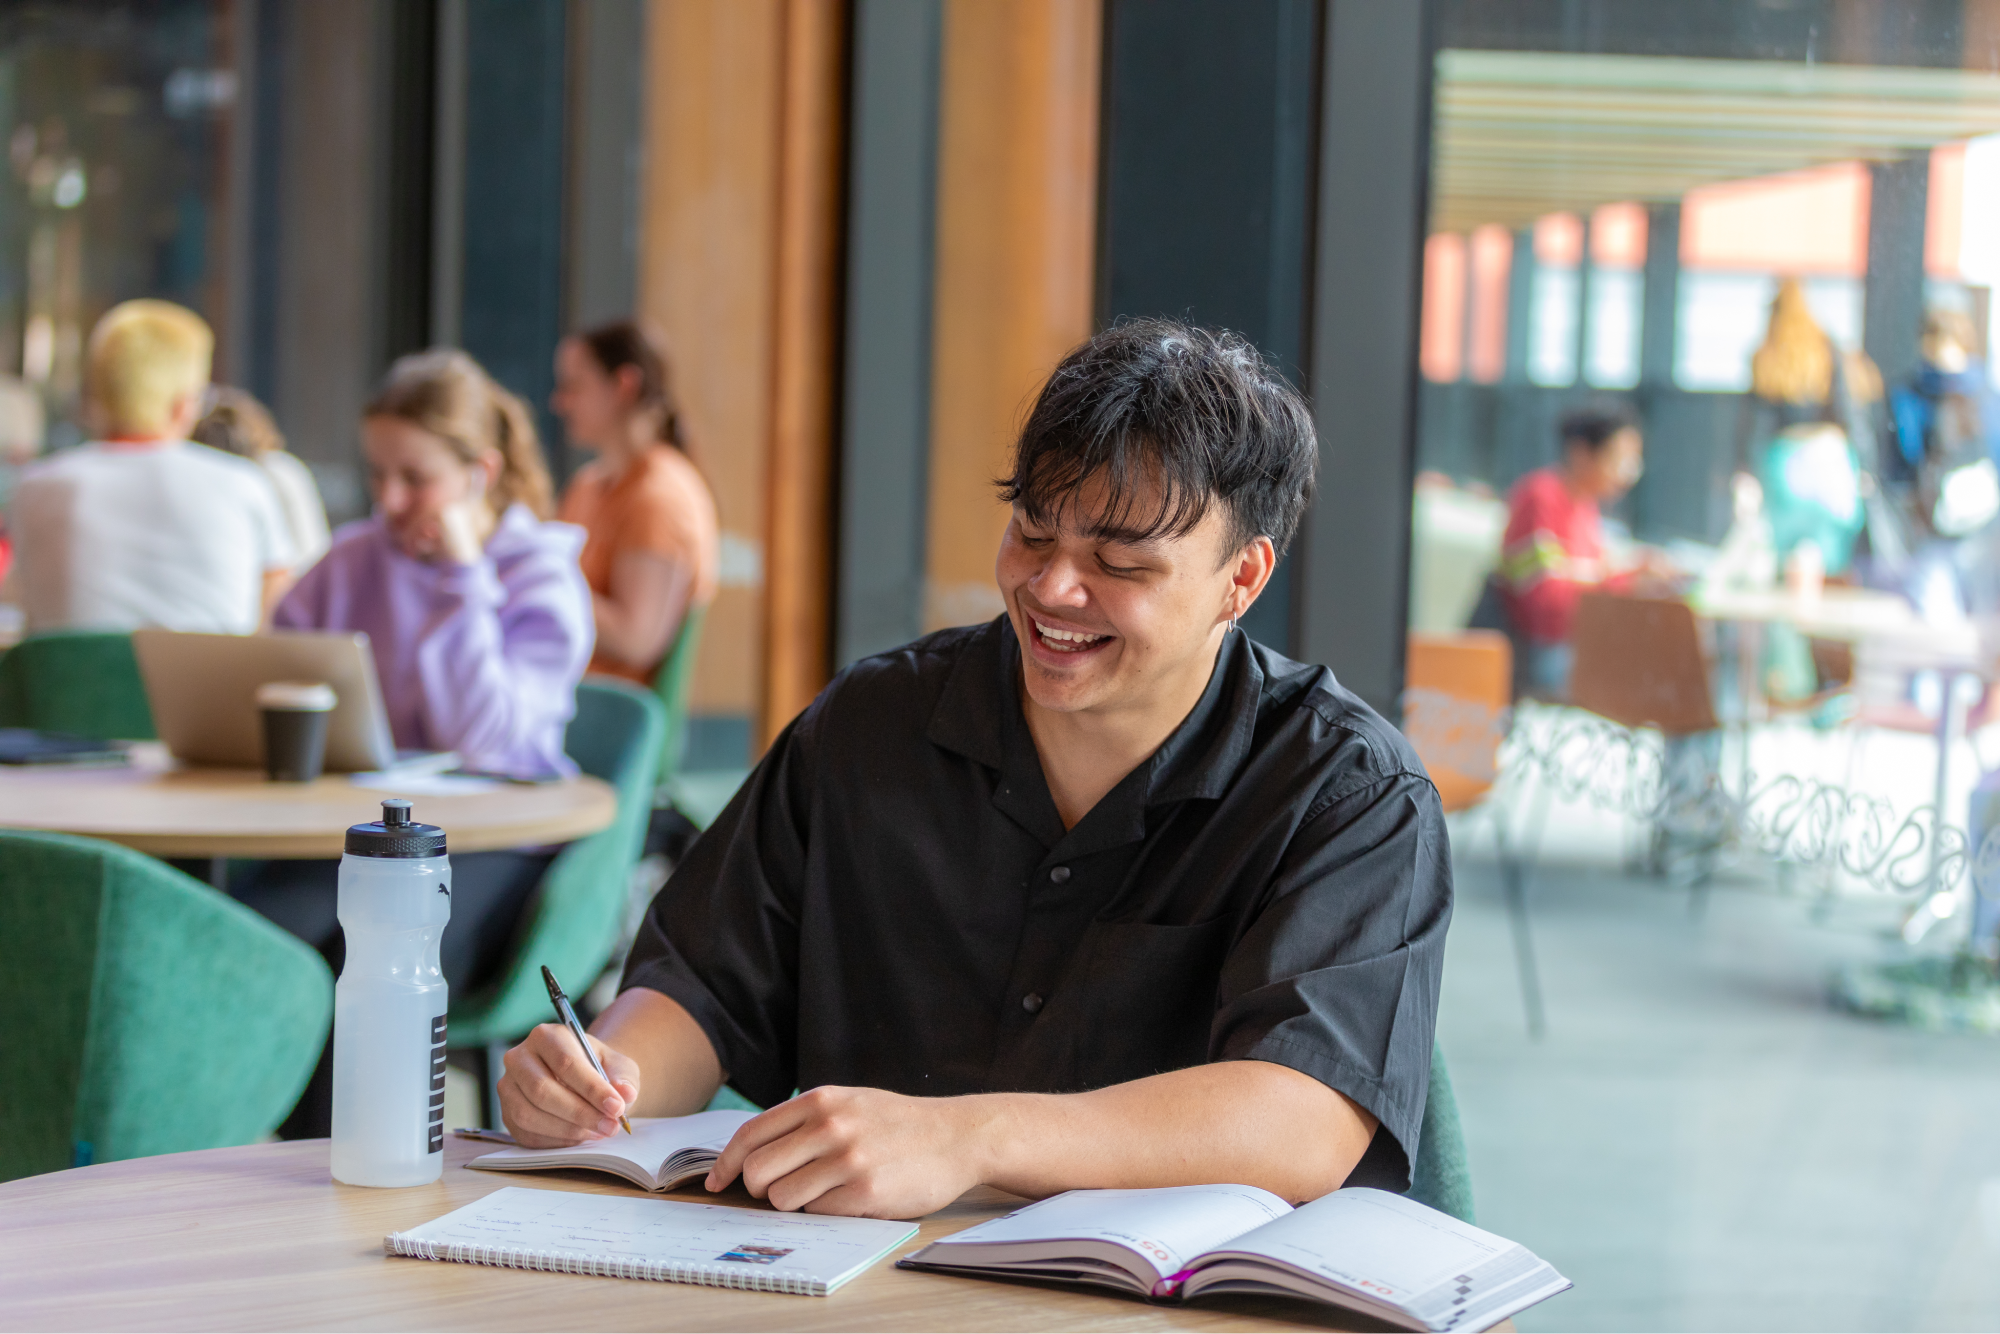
(1639,663)
(1455,700)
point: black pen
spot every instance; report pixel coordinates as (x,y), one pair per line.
(568,1016)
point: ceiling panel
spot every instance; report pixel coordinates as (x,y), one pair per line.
(1520,134)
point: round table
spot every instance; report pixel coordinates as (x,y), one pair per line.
(260,1238)
(156,807)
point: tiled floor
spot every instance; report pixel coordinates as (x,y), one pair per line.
(1701,1141)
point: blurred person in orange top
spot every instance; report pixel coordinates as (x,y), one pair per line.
(1553,548)
(653,551)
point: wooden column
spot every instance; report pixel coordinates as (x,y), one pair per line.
(738,240)
(799,573)
(1016,236)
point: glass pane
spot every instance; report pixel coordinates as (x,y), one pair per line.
(1746,788)
(115,118)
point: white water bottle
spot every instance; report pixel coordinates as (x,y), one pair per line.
(389,1004)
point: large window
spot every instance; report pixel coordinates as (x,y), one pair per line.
(115,119)
(1752,708)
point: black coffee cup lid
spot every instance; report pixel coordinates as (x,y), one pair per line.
(395,834)
(298,696)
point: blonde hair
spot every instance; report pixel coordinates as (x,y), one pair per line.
(1795,364)
(448,394)
(236,423)
(144,356)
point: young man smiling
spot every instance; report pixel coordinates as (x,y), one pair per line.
(1097,894)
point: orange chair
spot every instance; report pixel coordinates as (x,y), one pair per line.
(1457,697)
(1641,663)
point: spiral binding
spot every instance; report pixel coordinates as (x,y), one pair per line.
(742,1277)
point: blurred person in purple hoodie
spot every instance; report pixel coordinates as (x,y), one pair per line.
(480,622)
(472,600)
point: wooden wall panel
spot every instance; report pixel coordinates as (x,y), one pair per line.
(738,245)
(706,280)
(799,583)
(1016,238)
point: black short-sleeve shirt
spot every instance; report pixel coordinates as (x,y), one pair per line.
(891,899)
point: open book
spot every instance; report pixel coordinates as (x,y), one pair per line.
(1365,1250)
(659,1154)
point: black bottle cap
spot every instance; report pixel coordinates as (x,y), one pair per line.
(395,834)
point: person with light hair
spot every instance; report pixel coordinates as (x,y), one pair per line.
(236,423)
(141,527)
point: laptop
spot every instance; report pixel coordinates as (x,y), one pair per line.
(203,691)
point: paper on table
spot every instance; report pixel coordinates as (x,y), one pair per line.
(1169,1226)
(627,1236)
(425,785)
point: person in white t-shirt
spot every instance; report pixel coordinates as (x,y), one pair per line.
(141,527)
(236,423)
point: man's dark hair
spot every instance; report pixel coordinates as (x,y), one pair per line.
(1197,411)
(1594,423)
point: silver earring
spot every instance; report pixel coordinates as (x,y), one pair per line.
(1232,622)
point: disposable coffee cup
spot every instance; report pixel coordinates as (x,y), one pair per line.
(295,719)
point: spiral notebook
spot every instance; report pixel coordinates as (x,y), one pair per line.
(619,1236)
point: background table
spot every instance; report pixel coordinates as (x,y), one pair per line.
(1852,615)
(156,808)
(1890,640)
(260,1238)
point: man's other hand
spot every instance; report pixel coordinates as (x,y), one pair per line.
(550,1097)
(857,1151)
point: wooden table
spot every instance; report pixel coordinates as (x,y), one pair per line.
(158,808)
(261,1238)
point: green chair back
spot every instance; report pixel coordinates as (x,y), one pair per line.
(83,682)
(1442,1177)
(670,683)
(145,1012)
(579,908)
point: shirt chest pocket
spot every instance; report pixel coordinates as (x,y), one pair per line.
(1146,998)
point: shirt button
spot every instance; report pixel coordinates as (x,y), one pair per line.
(1060,874)
(1032,1003)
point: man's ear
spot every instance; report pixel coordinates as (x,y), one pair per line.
(1253,568)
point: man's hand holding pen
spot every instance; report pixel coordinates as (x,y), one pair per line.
(562,1100)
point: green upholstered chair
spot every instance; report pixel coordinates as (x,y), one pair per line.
(82,682)
(574,921)
(1442,1178)
(670,683)
(144,1012)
